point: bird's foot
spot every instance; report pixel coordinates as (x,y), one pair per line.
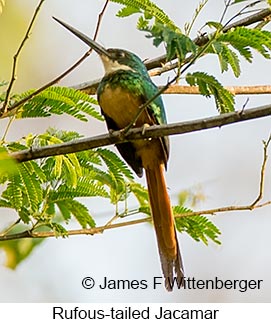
(144,127)
(120,134)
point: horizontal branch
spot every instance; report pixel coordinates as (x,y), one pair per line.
(101,229)
(91,88)
(91,231)
(236,90)
(136,133)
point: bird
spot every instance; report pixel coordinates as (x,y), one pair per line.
(123,90)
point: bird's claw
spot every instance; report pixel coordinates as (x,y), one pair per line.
(144,127)
(122,133)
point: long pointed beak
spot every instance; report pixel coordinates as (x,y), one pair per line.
(91,43)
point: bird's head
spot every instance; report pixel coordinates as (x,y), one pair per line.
(113,58)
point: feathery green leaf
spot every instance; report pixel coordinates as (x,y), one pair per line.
(114,163)
(13,193)
(81,213)
(59,100)
(84,188)
(149,8)
(140,192)
(7,164)
(208,85)
(198,227)
(58,229)
(244,39)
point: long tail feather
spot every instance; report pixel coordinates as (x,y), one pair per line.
(164,225)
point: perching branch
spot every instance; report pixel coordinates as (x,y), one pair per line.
(98,230)
(136,133)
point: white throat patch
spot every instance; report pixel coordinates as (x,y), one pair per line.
(113,66)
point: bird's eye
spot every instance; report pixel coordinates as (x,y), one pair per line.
(121,54)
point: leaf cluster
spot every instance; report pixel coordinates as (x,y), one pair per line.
(58,100)
(146,7)
(176,43)
(228,46)
(209,85)
(237,43)
(41,190)
(197,227)
(52,192)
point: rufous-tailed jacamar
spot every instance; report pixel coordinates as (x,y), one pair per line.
(125,87)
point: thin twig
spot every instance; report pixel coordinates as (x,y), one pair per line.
(242,12)
(61,76)
(91,231)
(99,21)
(231,208)
(111,220)
(227,4)
(204,41)
(188,26)
(10,121)
(101,229)
(15,106)
(4,233)
(265,157)
(16,56)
